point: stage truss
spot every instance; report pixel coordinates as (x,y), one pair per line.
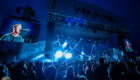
(79,27)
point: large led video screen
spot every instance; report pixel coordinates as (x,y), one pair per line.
(129,46)
(19,31)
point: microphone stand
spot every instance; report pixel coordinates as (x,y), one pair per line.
(24,35)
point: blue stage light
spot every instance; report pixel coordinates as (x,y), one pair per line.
(69,24)
(39,56)
(55,42)
(47,60)
(82,52)
(69,21)
(89,58)
(80,21)
(77,24)
(65,44)
(58,54)
(68,55)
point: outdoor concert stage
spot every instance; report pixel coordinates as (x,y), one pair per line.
(76,31)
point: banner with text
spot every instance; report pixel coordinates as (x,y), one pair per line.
(89,12)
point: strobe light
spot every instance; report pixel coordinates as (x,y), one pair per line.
(68,55)
(58,54)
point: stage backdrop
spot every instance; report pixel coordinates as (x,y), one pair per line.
(89,12)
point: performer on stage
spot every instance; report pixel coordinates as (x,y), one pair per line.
(93,56)
(78,57)
(103,55)
(14,36)
(107,57)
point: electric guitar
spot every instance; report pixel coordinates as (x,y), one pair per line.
(93,57)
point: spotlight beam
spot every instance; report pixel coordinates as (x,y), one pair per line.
(58,40)
(83,50)
(70,47)
(78,50)
(66,43)
(65,51)
(76,45)
(91,50)
(39,56)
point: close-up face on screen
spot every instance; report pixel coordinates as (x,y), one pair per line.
(17,31)
(128,45)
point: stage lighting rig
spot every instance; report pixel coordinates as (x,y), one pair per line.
(73,26)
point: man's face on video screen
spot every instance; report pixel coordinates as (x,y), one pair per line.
(127,44)
(17,28)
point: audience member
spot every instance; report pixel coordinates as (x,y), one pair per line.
(50,73)
(76,78)
(83,78)
(69,73)
(88,74)
(60,74)
(31,74)
(19,73)
(100,72)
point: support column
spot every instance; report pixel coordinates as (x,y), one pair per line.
(49,39)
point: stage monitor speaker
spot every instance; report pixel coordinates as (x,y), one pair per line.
(10,51)
(49,39)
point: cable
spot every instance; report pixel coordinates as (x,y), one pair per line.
(41,48)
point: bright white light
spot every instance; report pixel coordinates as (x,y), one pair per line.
(65,51)
(55,42)
(89,58)
(68,55)
(47,60)
(39,56)
(65,44)
(58,54)
(82,52)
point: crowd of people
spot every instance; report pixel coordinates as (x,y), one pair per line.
(72,70)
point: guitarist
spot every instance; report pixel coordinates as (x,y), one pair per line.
(93,56)
(107,57)
(103,55)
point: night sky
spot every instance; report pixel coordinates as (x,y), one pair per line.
(129,9)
